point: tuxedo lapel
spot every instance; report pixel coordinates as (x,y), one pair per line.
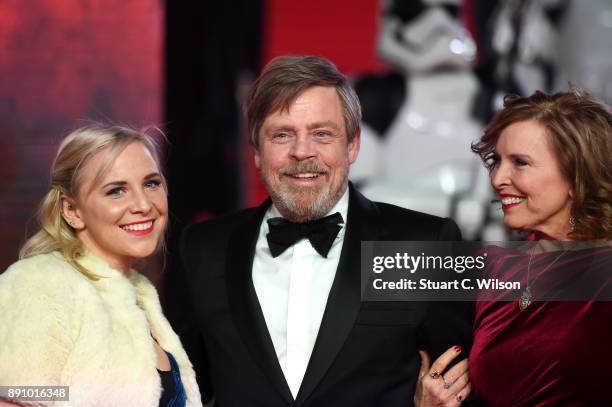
(344,299)
(243,302)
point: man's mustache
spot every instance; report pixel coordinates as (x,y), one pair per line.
(303,167)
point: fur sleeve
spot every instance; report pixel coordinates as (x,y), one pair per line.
(39,320)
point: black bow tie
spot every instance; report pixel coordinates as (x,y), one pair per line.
(321,233)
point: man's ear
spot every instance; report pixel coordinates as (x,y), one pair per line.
(70,213)
(353,147)
(257,158)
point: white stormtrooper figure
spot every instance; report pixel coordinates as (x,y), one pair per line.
(525,40)
(424,161)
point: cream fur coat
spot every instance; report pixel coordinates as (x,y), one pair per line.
(58,327)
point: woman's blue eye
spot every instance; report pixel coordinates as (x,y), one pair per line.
(115,191)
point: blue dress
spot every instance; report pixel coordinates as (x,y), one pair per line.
(173,393)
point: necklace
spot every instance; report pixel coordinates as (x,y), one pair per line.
(526,297)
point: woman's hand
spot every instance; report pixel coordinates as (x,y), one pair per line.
(437,389)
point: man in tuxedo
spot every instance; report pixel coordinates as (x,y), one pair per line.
(277,317)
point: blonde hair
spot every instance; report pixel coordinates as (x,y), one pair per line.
(75,151)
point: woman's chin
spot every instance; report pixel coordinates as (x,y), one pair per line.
(512,224)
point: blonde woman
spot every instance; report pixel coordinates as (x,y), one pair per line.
(74,312)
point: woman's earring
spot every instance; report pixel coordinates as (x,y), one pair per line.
(572,223)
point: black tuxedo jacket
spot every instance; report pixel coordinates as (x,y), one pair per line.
(365,353)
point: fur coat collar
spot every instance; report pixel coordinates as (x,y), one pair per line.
(61,328)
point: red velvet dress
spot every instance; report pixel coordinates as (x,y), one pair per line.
(551,353)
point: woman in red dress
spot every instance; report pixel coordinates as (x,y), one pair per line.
(550,163)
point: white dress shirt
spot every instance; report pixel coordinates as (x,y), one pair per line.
(292,290)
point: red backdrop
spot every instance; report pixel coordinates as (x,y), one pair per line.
(62,62)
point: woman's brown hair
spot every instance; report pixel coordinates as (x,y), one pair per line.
(579,129)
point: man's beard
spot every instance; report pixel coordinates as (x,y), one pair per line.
(300,204)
